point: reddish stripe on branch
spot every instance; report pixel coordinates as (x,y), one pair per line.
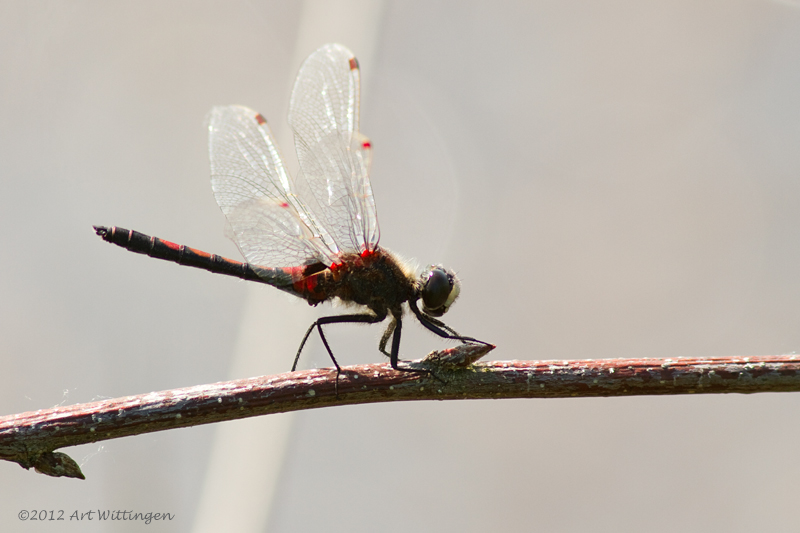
(30,438)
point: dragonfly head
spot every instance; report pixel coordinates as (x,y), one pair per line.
(439,288)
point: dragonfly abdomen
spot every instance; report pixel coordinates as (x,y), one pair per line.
(184,255)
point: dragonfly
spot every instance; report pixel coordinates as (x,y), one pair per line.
(316,235)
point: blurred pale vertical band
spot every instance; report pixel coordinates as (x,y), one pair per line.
(245,465)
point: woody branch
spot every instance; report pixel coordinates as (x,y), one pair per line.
(31,438)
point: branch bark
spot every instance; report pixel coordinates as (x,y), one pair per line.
(31,438)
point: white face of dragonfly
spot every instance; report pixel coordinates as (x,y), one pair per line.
(439,288)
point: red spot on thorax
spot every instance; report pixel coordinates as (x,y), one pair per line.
(308,287)
(311,284)
(260,119)
(353,63)
(366,144)
(304,284)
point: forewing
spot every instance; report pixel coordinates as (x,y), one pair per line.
(271,227)
(334,157)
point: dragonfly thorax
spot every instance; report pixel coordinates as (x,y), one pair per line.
(374,279)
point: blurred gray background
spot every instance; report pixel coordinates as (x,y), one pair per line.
(609,179)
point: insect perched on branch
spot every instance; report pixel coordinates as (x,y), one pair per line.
(316,235)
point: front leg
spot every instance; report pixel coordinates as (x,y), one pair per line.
(438,327)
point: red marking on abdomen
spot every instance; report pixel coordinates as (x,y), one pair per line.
(170,244)
(201,253)
(353,63)
(295,272)
(260,119)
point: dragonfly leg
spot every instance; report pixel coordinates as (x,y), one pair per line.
(439,323)
(394,357)
(385,337)
(338,319)
(438,327)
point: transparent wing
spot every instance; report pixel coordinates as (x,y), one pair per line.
(271,227)
(334,157)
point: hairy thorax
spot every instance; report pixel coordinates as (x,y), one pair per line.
(374,279)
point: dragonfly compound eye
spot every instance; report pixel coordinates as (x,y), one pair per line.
(439,289)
